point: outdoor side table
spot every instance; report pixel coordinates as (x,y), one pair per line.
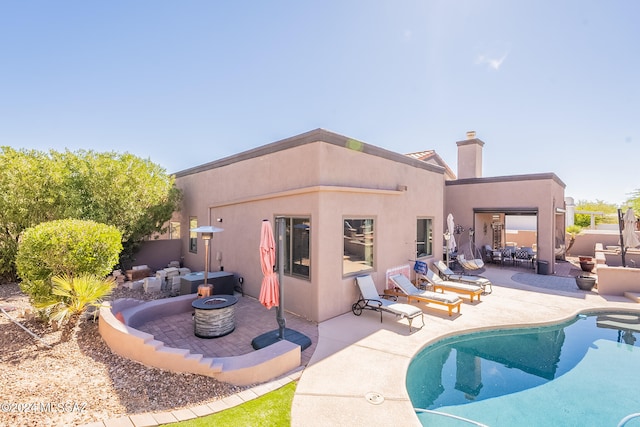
(223,282)
(214,316)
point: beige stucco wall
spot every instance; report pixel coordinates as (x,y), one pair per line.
(543,193)
(617,280)
(522,238)
(326,182)
(329,178)
(587,239)
(470,158)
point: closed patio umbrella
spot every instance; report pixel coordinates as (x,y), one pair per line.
(269,291)
(628,238)
(451,241)
(450,228)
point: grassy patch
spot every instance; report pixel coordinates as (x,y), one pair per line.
(272,409)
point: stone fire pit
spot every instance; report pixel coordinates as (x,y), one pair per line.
(214,316)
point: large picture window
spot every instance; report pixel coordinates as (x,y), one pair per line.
(193,236)
(424,238)
(358,245)
(297,261)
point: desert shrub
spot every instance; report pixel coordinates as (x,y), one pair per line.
(572,231)
(65,247)
(70,296)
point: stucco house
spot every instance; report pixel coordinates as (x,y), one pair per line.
(484,203)
(350,208)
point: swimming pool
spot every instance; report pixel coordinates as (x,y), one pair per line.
(582,372)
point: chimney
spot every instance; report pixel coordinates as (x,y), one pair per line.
(470,156)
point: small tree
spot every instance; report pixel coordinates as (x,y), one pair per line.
(29,194)
(584,220)
(133,194)
(65,248)
(572,231)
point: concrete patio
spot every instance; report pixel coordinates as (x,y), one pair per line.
(357,374)
(356,370)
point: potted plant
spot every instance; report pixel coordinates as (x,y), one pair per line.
(586,263)
(585,282)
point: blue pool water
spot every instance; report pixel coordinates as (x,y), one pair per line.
(585,372)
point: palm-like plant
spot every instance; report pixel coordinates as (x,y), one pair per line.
(73,295)
(572,231)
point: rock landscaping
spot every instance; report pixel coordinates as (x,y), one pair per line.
(81,381)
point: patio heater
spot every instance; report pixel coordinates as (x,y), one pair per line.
(207,234)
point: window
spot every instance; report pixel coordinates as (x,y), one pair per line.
(358,245)
(424,238)
(193,236)
(297,261)
(174,230)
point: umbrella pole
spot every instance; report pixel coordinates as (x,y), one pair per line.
(281,333)
(280,312)
(620,225)
(447,239)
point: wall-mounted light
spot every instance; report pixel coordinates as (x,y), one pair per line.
(218,219)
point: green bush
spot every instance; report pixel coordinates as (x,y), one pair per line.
(65,247)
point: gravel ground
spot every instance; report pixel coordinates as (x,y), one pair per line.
(81,380)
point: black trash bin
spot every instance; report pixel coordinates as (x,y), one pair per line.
(543,267)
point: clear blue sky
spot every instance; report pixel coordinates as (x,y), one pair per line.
(549,86)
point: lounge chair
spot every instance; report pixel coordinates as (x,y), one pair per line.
(406,288)
(447,285)
(448,274)
(371,300)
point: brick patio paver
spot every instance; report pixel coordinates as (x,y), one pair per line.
(251,318)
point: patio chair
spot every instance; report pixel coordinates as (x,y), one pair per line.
(371,300)
(524,255)
(458,287)
(450,275)
(487,253)
(508,254)
(406,288)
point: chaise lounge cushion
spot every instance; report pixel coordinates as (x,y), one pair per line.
(373,299)
(407,287)
(403,310)
(449,274)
